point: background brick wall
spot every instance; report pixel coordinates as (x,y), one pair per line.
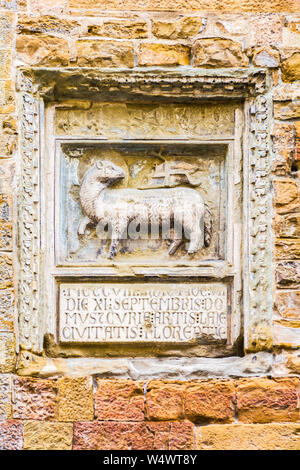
(64,412)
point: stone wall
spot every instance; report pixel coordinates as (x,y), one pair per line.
(249,402)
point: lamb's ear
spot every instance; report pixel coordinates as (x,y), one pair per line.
(99,164)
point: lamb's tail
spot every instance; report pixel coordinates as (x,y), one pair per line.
(207,226)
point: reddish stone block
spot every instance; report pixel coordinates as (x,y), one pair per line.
(119,400)
(111,435)
(161,432)
(212,401)
(182,436)
(262,400)
(34,398)
(11,435)
(164,400)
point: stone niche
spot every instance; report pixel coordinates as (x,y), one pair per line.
(148,171)
(142,220)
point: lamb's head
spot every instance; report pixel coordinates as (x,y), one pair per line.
(107,172)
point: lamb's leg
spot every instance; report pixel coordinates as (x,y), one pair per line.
(175,245)
(117,232)
(178,235)
(176,241)
(113,247)
(82,225)
(195,241)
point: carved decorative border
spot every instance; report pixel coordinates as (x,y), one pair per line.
(28,220)
(258,303)
(258,271)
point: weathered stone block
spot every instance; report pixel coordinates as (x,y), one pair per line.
(288,110)
(34,398)
(262,400)
(5,397)
(7,170)
(93,53)
(52,7)
(248,437)
(75,399)
(210,401)
(5,222)
(164,400)
(110,435)
(46,24)
(229,6)
(6,270)
(290,68)
(6,310)
(8,134)
(283,147)
(163,54)
(6,28)
(42,50)
(286,333)
(5,235)
(119,400)
(265,57)
(291,32)
(39,435)
(288,273)
(288,304)
(161,435)
(266,28)
(287,226)
(7,352)
(182,436)
(7,104)
(287,248)
(11,435)
(286,193)
(286,92)
(5,64)
(121,29)
(218,52)
(293,361)
(182,29)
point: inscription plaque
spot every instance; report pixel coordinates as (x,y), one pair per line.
(152,312)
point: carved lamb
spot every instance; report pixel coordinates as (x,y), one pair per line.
(183,207)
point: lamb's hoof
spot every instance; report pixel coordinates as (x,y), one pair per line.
(172,250)
(174,247)
(112,254)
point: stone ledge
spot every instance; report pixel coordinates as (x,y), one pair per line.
(86,83)
(147,368)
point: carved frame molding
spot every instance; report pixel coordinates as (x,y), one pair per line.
(37,86)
